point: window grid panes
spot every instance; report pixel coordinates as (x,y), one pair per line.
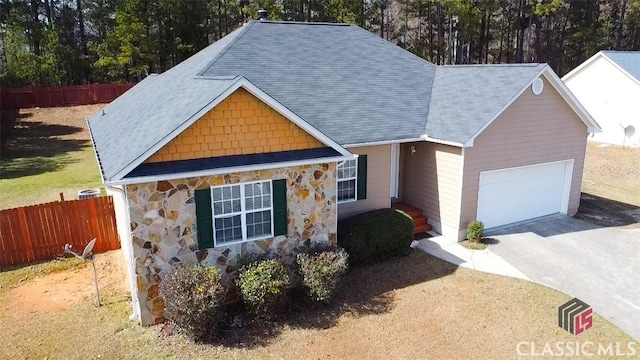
(347,174)
(242,212)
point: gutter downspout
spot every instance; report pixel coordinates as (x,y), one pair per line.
(129,257)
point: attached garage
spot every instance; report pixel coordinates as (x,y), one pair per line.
(515,194)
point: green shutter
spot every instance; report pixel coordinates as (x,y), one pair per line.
(362,177)
(204,218)
(280,222)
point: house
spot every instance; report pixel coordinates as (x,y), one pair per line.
(608,86)
(263,140)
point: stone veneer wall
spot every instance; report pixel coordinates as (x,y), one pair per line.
(163,225)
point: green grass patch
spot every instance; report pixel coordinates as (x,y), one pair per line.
(39,179)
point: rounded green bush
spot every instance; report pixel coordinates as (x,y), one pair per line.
(375,236)
(194,298)
(321,272)
(263,287)
(475,230)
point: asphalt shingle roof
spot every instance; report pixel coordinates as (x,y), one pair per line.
(465,97)
(349,84)
(628,60)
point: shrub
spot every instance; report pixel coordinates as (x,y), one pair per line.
(263,286)
(321,272)
(193,299)
(475,230)
(376,236)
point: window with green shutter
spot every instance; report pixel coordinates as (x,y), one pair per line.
(235,213)
(362,177)
(204,218)
(352,179)
(280,221)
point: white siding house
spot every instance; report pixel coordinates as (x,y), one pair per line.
(608,86)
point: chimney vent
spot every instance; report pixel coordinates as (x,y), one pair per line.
(264,14)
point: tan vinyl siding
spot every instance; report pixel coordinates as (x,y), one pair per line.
(378,181)
(533,130)
(431,181)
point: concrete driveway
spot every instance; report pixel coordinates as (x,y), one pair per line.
(600,266)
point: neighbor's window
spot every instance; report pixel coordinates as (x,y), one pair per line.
(242,212)
(347,176)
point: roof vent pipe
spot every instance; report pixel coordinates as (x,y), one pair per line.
(264,14)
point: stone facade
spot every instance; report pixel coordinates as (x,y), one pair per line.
(164,233)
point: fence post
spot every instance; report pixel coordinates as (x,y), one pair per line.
(95,226)
(25,235)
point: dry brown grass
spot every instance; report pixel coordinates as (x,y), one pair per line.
(611,186)
(612,172)
(414,307)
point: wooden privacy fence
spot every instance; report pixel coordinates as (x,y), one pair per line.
(40,232)
(62,95)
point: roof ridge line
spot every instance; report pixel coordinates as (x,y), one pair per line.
(286,22)
(215,59)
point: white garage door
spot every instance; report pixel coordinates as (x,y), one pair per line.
(515,194)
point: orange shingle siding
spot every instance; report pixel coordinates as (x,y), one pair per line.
(239,125)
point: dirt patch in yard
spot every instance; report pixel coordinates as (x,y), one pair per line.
(66,117)
(611,186)
(61,291)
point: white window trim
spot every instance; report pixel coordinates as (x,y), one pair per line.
(243,213)
(338,180)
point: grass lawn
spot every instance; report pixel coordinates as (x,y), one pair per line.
(49,152)
(610,186)
(612,172)
(414,307)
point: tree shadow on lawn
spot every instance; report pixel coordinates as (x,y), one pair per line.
(34,148)
(364,291)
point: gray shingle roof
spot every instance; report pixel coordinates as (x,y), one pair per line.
(465,97)
(152,109)
(349,84)
(628,60)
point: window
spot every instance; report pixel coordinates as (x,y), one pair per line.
(230,214)
(347,176)
(352,179)
(242,212)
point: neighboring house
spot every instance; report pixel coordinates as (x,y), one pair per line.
(263,140)
(608,86)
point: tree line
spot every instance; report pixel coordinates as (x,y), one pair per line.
(64,42)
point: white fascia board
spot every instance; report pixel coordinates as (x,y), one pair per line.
(574,104)
(177,131)
(469,143)
(425,137)
(384,142)
(579,68)
(562,89)
(587,62)
(228,170)
(615,64)
(251,88)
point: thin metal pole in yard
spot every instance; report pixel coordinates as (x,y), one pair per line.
(95,280)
